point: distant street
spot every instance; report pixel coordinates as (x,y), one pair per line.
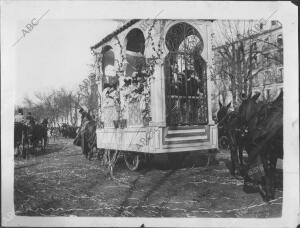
(61,182)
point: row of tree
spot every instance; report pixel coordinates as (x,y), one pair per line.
(62,105)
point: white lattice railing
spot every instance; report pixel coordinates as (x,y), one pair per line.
(109,115)
(135,116)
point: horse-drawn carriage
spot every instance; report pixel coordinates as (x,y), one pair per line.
(155,90)
(28,135)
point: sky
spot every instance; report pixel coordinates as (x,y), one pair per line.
(56,53)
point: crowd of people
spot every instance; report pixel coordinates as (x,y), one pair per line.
(27,129)
(29,132)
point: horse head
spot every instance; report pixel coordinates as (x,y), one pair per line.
(223,111)
(249,109)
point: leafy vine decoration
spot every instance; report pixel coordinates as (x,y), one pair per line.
(138,86)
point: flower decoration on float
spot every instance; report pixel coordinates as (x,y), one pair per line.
(136,88)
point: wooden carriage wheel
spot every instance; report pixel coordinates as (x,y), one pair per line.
(110,159)
(133,160)
(100,154)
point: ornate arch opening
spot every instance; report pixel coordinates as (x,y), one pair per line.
(183,36)
(135,47)
(185,75)
(135,41)
(108,68)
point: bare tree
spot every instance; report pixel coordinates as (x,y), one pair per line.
(241,56)
(88,92)
(56,105)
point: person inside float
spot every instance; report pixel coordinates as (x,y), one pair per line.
(111,77)
(175,72)
(192,83)
(174,82)
(110,74)
(193,89)
(135,62)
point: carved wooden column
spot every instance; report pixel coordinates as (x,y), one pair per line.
(209,63)
(157,97)
(158,84)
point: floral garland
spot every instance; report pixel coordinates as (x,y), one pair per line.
(123,58)
(157,51)
(139,88)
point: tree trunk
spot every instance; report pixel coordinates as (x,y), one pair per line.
(233,91)
(233,75)
(250,85)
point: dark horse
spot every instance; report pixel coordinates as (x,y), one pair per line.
(229,124)
(21,138)
(38,133)
(264,126)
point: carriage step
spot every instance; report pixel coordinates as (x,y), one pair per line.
(186,135)
(186,127)
(186,131)
(185,141)
(186,147)
(190,144)
(183,135)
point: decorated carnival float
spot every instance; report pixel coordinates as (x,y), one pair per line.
(154,86)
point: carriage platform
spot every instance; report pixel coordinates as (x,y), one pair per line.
(158,139)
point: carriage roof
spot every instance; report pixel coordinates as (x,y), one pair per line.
(114,33)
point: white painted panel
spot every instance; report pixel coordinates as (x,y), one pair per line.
(186,131)
(186,138)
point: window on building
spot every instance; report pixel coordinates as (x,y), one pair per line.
(255,61)
(259,57)
(265,43)
(261,26)
(256,81)
(266,60)
(108,69)
(273,23)
(135,48)
(280,75)
(279,39)
(267,94)
(267,77)
(266,40)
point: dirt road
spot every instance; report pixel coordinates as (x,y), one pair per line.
(61,182)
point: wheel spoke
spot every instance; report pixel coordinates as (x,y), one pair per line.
(132,160)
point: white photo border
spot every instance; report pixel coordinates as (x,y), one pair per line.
(286,13)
